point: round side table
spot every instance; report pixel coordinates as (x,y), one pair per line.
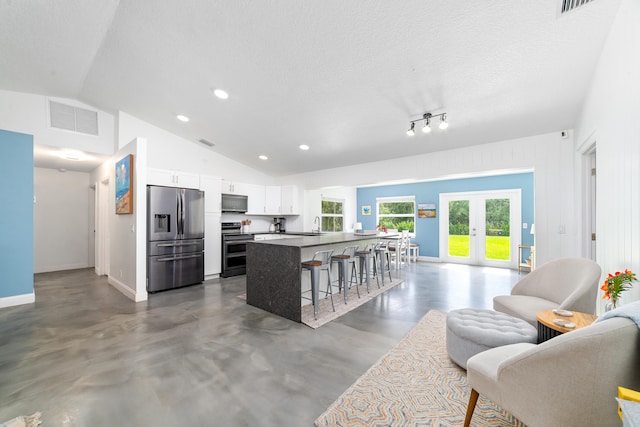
(547,329)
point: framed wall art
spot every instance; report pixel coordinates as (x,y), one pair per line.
(366,210)
(427,210)
(124,190)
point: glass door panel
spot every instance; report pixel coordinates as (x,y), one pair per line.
(459,239)
(497,229)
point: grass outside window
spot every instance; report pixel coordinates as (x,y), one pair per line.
(498,247)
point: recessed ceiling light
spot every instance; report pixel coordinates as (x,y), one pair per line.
(263,157)
(221,94)
(73,155)
(304,147)
(182,118)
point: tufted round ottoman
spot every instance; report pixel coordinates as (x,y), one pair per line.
(470,331)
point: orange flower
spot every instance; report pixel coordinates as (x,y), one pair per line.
(614,285)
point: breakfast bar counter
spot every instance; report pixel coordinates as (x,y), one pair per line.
(274,269)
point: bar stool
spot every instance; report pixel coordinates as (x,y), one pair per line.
(320,261)
(381,251)
(347,257)
(364,256)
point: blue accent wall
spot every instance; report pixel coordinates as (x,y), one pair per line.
(16,214)
(427,230)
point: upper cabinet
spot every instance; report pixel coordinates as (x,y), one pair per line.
(272,200)
(261,200)
(231,187)
(211,186)
(289,200)
(170,178)
(256,199)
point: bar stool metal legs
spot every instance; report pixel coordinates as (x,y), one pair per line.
(382,255)
(364,256)
(320,261)
(343,260)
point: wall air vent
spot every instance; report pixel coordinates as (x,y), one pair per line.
(569,5)
(74,119)
(205,142)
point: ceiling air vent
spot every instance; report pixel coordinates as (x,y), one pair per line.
(205,142)
(74,119)
(569,5)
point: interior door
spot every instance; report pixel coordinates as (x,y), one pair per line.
(480,228)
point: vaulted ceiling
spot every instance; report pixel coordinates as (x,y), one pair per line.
(344,77)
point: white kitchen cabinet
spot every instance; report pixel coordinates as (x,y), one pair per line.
(231,187)
(289,200)
(211,186)
(255,199)
(273,197)
(212,244)
(172,178)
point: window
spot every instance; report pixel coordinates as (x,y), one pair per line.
(332,215)
(397,213)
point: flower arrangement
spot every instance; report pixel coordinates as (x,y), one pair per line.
(381,228)
(617,283)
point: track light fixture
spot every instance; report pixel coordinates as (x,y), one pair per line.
(427,123)
(411,132)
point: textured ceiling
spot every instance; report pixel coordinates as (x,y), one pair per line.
(344,77)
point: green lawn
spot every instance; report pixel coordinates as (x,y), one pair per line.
(497,247)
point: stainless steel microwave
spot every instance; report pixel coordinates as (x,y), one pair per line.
(234,203)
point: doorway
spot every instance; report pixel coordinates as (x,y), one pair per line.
(102,225)
(589,207)
(481,228)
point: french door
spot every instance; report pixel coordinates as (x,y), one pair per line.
(481,228)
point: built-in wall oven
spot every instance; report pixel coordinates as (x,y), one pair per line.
(234,249)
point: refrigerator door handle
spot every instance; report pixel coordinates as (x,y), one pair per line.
(178,258)
(181,213)
(171,245)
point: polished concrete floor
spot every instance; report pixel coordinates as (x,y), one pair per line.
(85,355)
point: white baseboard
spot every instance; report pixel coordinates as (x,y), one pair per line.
(212,276)
(429,259)
(17,300)
(63,267)
(127,291)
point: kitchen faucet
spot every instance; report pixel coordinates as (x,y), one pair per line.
(316,221)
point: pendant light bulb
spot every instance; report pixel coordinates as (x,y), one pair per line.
(411,132)
(443,122)
(427,126)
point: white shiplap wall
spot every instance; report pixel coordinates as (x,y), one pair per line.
(611,117)
(550,156)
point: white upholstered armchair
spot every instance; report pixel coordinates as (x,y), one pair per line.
(570,380)
(567,283)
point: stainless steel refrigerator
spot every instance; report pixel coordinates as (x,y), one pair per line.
(175,237)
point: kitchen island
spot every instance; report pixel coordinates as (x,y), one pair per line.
(274,281)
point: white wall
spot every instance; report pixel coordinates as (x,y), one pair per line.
(549,155)
(610,117)
(61,220)
(168,151)
(127,233)
(28,113)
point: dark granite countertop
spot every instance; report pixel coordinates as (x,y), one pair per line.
(313,239)
(289,233)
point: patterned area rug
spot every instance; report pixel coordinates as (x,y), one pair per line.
(415,384)
(326,313)
(24,421)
